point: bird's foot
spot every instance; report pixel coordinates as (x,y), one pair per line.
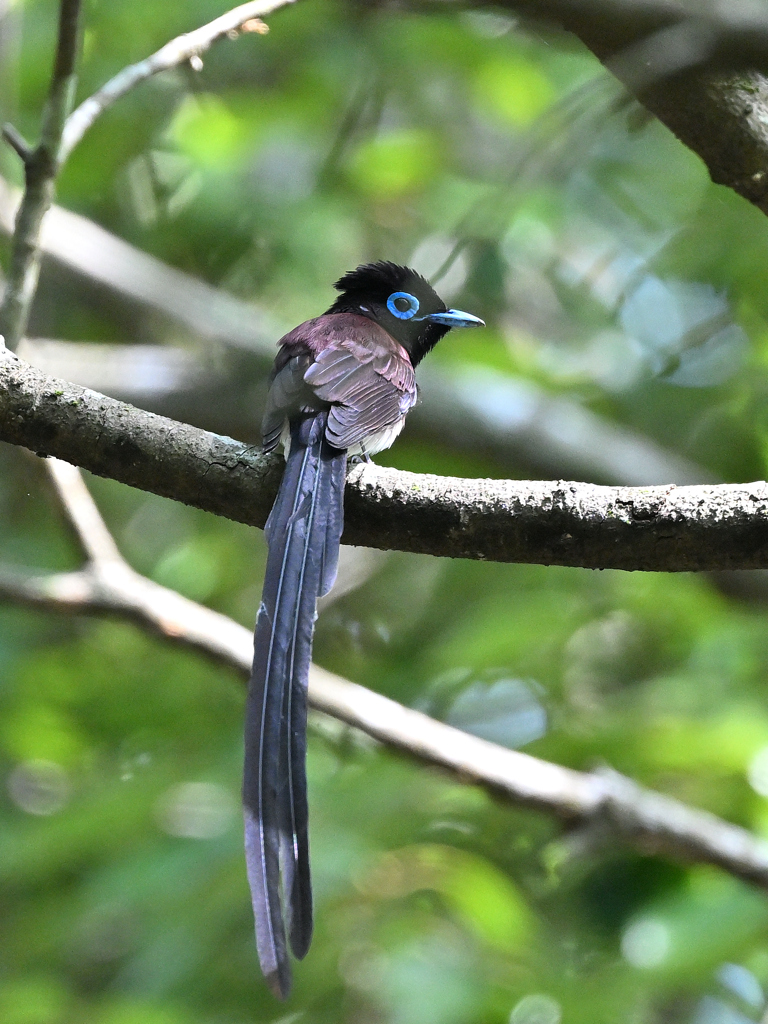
(361,460)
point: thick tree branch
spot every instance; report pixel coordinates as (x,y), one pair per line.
(666,529)
(655,823)
(479,409)
(176,52)
(548,431)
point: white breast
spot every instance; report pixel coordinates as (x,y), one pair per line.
(378,442)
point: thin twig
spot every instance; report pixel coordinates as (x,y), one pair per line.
(651,821)
(93,537)
(178,51)
(91,250)
(41,166)
(17,142)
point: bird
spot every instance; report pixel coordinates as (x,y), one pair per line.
(341,386)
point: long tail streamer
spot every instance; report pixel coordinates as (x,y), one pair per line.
(303,533)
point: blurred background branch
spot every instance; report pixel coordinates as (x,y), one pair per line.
(107,585)
(41,165)
(511,417)
(185,48)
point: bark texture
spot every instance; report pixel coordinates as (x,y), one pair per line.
(667,528)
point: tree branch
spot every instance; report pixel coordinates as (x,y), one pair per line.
(667,529)
(697,68)
(17,142)
(93,538)
(91,250)
(550,433)
(177,51)
(655,823)
(41,166)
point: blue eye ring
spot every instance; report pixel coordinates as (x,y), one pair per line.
(403,314)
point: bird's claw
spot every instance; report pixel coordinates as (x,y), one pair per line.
(361,460)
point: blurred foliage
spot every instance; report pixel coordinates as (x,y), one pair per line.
(611,271)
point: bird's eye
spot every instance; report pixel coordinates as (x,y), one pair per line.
(403,305)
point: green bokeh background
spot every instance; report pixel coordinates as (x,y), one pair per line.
(613,274)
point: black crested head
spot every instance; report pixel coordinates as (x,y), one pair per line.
(381,278)
(403,302)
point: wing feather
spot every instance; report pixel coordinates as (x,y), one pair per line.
(368,390)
